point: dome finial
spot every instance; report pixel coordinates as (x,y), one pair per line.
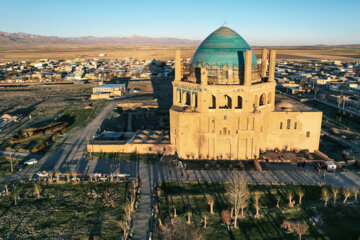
(224,24)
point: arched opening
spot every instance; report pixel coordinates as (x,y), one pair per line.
(239,102)
(236,72)
(262,99)
(225,71)
(212,102)
(269,98)
(194,100)
(212,70)
(187,99)
(224,131)
(256,101)
(178,96)
(227,103)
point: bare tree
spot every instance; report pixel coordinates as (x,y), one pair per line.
(74,176)
(127,209)
(290,197)
(16,196)
(158,191)
(57,175)
(347,194)
(6,190)
(325,195)
(226,218)
(160,222)
(11,160)
(356,192)
(167,231)
(238,194)
(257,196)
(210,200)
(188,214)
(179,230)
(15,199)
(124,227)
(204,219)
(298,227)
(37,191)
(111,177)
(278,201)
(335,192)
(50,177)
(132,203)
(67,177)
(301,194)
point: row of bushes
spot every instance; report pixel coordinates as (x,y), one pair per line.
(60,127)
(17,139)
(46,143)
(48,129)
(42,128)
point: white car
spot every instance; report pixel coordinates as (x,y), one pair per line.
(32,161)
(42,174)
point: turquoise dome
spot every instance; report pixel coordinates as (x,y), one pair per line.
(223,46)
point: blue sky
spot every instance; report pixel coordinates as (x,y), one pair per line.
(260,22)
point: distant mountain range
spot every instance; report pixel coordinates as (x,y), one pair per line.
(31,39)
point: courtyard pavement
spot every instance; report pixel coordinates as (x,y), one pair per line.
(344,179)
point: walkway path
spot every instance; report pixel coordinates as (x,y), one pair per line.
(345,179)
(143,213)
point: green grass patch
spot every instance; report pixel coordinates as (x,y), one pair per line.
(5,166)
(80,117)
(63,211)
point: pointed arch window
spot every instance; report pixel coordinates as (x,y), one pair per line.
(239,102)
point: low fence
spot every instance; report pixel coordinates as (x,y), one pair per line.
(131,148)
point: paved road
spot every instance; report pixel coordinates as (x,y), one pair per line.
(14,154)
(71,155)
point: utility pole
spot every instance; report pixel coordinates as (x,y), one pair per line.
(11,163)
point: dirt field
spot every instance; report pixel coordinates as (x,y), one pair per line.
(41,104)
(166,52)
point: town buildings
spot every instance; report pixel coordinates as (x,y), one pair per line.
(108,91)
(333,82)
(83,69)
